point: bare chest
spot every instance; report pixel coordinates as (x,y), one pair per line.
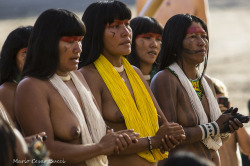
(110,110)
(186,115)
(65,124)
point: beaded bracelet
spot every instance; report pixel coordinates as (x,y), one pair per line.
(209,129)
(150,147)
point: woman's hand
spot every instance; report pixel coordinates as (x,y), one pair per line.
(227,121)
(40,136)
(115,142)
(171,129)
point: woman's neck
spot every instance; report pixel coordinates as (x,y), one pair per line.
(189,70)
(115,60)
(145,68)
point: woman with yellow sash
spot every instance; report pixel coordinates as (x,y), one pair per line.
(54,97)
(120,90)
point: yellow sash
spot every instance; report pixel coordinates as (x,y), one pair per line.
(141,114)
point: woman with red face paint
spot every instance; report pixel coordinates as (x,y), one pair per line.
(54,97)
(146,45)
(121,92)
(187,96)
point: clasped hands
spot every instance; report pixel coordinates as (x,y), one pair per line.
(115,142)
(170,135)
(230,120)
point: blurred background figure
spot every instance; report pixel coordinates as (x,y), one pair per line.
(12,145)
(13,55)
(146,45)
(188,159)
(230,151)
(162,10)
(246,158)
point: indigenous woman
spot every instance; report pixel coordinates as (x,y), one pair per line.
(11,65)
(146,45)
(122,94)
(54,97)
(187,96)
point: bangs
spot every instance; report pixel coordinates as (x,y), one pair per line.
(73,27)
(117,10)
(142,25)
(150,27)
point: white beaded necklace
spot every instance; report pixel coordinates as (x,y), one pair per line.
(65,78)
(147,77)
(119,69)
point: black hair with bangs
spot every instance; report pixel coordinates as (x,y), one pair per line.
(141,25)
(96,17)
(43,50)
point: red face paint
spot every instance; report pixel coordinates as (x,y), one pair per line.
(118,22)
(71,38)
(149,35)
(23,50)
(195,30)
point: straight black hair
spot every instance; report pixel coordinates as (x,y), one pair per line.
(173,35)
(43,51)
(16,40)
(96,17)
(141,25)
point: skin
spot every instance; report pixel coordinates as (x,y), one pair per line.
(162,10)
(48,112)
(115,46)
(7,98)
(227,152)
(147,48)
(7,89)
(174,101)
(20,58)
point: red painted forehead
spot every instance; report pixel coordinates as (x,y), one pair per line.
(153,35)
(71,38)
(126,21)
(195,30)
(23,49)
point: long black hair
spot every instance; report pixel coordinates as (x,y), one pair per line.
(141,25)
(16,40)
(43,50)
(96,17)
(173,35)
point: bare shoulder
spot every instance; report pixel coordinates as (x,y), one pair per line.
(209,80)
(30,85)
(88,70)
(90,73)
(7,97)
(138,71)
(92,77)
(7,88)
(81,77)
(163,78)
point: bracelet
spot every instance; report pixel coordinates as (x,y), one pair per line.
(150,147)
(209,129)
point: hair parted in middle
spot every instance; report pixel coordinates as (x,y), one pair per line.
(173,35)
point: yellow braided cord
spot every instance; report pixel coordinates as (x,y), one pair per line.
(141,114)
